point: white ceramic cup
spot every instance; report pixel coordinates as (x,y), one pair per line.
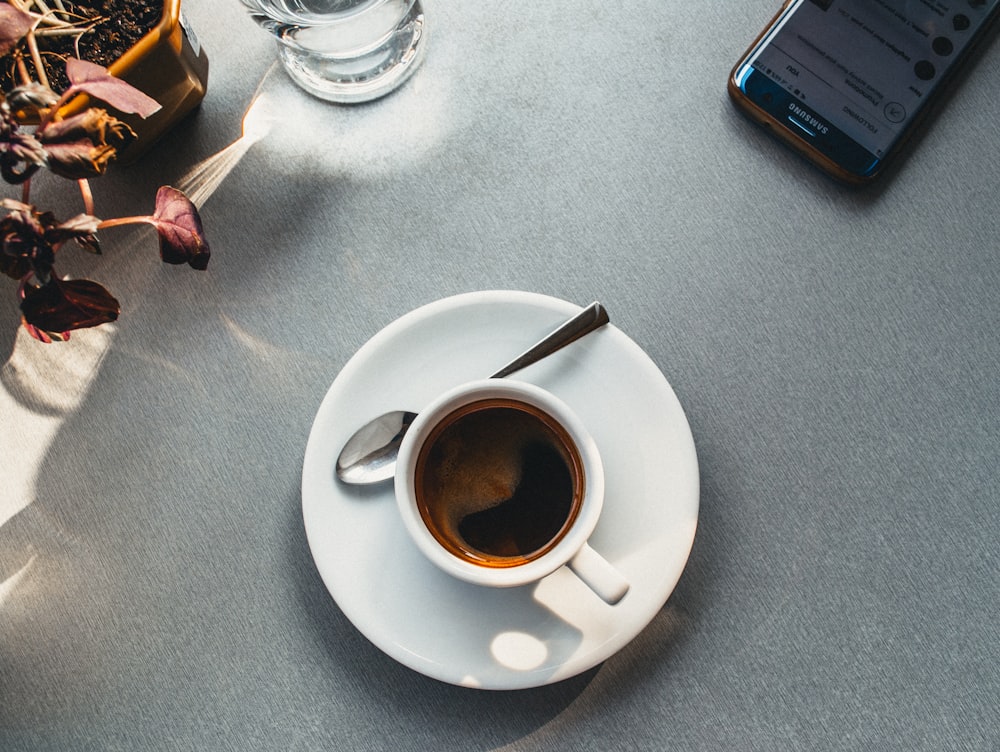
(571,549)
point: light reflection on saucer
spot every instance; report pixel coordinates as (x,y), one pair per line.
(519,651)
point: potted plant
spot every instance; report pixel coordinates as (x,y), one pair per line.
(146,43)
(68,135)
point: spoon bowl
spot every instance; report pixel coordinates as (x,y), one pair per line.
(369,456)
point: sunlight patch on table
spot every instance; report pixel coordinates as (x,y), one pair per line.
(8,586)
(40,386)
(259,347)
(367,140)
(202,180)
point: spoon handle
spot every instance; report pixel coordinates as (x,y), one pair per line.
(590,318)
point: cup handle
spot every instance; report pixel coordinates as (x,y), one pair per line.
(599,575)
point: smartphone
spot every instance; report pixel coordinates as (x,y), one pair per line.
(845,82)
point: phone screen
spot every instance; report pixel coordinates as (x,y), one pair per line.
(860,70)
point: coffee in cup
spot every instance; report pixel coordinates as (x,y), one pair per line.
(499,483)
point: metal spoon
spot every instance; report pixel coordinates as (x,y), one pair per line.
(369,456)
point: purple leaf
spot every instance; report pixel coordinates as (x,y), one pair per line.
(96,81)
(61,306)
(14,24)
(182,239)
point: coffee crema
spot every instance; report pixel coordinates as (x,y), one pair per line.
(498,482)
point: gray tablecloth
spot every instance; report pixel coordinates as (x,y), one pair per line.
(836,353)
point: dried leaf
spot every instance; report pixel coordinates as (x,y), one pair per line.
(182,239)
(82,226)
(14,24)
(64,305)
(96,81)
(25,249)
(20,157)
(83,145)
(83,229)
(79,159)
(21,154)
(14,266)
(29,239)
(94,124)
(28,100)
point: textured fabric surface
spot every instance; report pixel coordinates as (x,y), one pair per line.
(836,352)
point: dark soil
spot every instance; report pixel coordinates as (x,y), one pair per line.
(118,25)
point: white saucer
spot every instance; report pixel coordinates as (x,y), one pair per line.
(495,638)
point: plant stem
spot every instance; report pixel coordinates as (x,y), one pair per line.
(63,31)
(87,194)
(22,69)
(36,58)
(105,223)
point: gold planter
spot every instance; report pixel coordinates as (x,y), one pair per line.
(169,65)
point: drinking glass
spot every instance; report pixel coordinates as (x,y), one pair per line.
(345,50)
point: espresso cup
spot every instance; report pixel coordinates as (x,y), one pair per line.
(499,483)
